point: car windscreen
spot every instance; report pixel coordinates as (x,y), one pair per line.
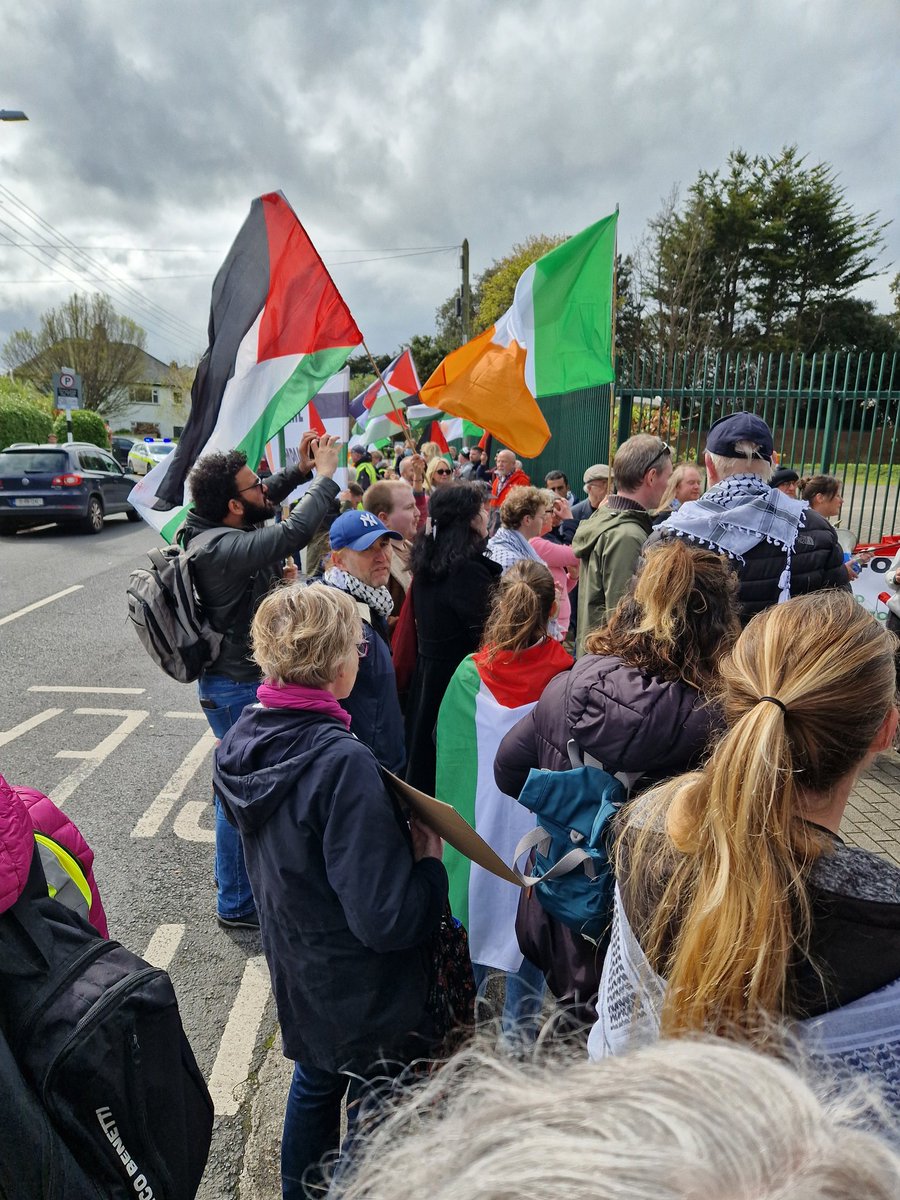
(32,461)
(163,448)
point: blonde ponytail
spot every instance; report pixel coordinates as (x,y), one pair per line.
(805,690)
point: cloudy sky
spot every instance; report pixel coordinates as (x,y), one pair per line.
(398,129)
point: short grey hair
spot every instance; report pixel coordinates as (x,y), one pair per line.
(674,1120)
(634,459)
(746,464)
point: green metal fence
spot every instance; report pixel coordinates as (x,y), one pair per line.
(832,413)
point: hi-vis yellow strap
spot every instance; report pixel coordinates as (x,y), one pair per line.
(64,873)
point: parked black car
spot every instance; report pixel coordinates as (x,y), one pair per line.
(119,447)
(73,483)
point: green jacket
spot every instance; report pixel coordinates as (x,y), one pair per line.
(609,545)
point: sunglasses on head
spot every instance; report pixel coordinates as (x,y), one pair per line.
(664,449)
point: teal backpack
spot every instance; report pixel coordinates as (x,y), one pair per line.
(572,871)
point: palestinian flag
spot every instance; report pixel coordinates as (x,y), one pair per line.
(556,338)
(278,329)
(329,412)
(372,409)
(456,429)
(480,706)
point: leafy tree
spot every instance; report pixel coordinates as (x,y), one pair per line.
(88,335)
(497,285)
(87,426)
(427,353)
(629,308)
(763,255)
(21,421)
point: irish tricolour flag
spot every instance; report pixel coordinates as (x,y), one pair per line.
(278,329)
(483,702)
(556,338)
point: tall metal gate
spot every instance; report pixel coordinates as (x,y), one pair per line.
(830,413)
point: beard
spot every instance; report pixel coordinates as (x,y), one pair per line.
(255,514)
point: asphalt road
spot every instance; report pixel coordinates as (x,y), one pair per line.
(88,718)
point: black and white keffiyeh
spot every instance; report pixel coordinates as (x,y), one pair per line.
(378,598)
(737,514)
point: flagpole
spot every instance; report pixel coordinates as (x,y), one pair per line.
(404,424)
(612,386)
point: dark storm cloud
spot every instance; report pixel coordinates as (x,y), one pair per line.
(393,125)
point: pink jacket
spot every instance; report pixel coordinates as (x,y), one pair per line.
(23,813)
(557,558)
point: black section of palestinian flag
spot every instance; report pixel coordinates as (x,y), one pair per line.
(239,294)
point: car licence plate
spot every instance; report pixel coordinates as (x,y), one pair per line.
(30,502)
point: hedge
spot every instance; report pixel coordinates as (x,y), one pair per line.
(23,422)
(87,426)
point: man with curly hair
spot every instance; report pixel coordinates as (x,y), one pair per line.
(232,572)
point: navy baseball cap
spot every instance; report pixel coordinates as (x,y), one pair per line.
(358,530)
(739,427)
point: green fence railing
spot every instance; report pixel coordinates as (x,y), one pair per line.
(831,413)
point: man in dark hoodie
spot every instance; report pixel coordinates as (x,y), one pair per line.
(350,896)
(240,561)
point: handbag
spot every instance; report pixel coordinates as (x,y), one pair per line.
(451,993)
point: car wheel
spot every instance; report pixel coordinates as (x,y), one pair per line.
(132,514)
(92,522)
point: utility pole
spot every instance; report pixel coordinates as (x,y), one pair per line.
(465,293)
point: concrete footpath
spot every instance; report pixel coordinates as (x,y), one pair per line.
(872,821)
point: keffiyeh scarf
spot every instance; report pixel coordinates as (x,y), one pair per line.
(377,598)
(739,513)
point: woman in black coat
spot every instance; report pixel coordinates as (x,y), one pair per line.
(637,702)
(452,590)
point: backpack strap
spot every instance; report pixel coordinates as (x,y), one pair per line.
(577,758)
(159,558)
(569,861)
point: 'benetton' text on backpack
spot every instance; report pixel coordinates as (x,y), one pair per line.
(96,1034)
(163,608)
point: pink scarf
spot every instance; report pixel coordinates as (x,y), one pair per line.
(296,695)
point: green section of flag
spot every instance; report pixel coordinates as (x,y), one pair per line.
(572,297)
(292,397)
(457,772)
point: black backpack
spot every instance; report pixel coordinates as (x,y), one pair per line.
(165,612)
(96,1034)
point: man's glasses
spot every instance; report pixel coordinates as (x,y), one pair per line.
(362,648)
(664,449)
(257,483)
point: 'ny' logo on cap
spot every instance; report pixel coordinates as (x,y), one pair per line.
(368,518)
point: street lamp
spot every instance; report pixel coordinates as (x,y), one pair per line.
(12,114)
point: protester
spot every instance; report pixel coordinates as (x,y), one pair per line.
(677,1121)
(412,471)
(560,559)
(684,485)
(349,897)
(637,702)
(778,547)
(737,900)
(232,572)
(596,484)
(609,543)
(452,591)
(429,451)
(360,565)
(522,517)
(438,473)
(31,826)
(377,460)
(557,483)
(506,477)
(352,498)
(823,495)
(394,505)
(488,694)
(477,468)
(786,480)
(361,461)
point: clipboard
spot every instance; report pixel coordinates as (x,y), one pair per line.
(447,822)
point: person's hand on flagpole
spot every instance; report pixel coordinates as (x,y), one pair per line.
(325,454)
(306,457)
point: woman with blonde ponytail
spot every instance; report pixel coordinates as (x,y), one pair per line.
(636,703)
(489,693)
(737,900)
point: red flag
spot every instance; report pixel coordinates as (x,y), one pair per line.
(315,421)
(437,436)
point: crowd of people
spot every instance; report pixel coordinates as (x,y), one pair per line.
(686,630)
